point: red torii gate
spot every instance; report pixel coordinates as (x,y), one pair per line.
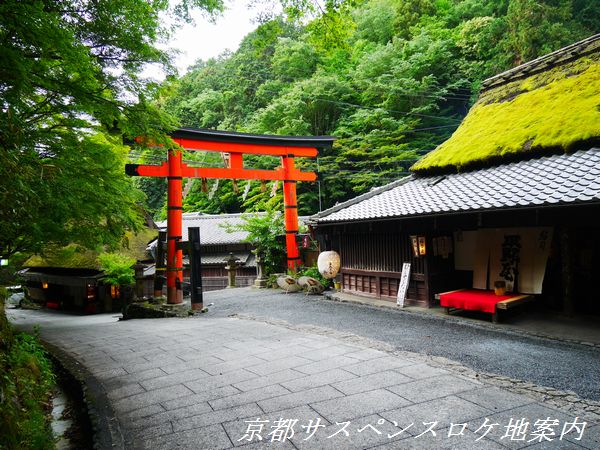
(236,145)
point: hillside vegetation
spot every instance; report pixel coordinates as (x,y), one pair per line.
(391,79)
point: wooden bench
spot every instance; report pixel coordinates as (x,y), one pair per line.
(480,300)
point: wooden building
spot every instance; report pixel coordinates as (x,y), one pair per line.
(513,196)
(70,277)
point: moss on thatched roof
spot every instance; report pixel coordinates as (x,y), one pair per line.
(76,257)
(70,257)
(554,110)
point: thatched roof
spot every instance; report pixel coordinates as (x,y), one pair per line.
(546,106)
(76,257)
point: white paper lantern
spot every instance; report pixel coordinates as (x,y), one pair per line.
(329,264)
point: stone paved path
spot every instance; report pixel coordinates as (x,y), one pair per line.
(198,383)
(476,344)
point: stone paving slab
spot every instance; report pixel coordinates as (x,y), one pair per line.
(434,387)
(494,399)
(372,381)
(377,365)
(420,371)
(318,379)
(202,383)
(273,378)
(274,390)
(333,362)
(358,405)
(307,396)
(439,413)
(214,417)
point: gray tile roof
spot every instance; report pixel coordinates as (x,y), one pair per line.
(211,228)
(550,180)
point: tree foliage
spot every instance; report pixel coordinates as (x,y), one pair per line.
(391,79)
(70,87)
(117,268)
(265,233)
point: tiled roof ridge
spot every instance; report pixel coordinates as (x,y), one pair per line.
(510,164)
(557,57)
(360,198)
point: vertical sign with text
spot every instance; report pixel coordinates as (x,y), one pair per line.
(403,286)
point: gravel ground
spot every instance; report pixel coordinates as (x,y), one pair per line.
(567,367)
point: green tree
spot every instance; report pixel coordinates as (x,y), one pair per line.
(537,27)
(70,85)
(81,195)
(117,268)
(294,60)
(265,233)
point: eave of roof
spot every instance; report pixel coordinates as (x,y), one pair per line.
(353,201)
(247,138)
(556,180)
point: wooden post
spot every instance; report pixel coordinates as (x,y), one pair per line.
(566,244)
(174,225)
(291,213)
(231,268)
(159,274)
(196,268)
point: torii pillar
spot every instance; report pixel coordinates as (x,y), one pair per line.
(174,228)
(236,145)
(291,213)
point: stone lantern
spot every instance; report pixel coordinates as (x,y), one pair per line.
(139,280)
(232,266)
(261,280)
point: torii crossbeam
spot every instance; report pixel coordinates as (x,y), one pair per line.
(236,145)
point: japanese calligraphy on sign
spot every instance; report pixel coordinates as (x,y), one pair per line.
(403,287)
(509,262)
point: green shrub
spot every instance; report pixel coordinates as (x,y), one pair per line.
(313,272)
(26,382)
(264,233)
(117,269)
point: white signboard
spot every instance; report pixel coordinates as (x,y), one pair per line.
(403,287)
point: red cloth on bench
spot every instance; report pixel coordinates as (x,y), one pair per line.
(473,300)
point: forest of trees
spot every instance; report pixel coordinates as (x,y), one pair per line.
(71,86)
(391,79)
